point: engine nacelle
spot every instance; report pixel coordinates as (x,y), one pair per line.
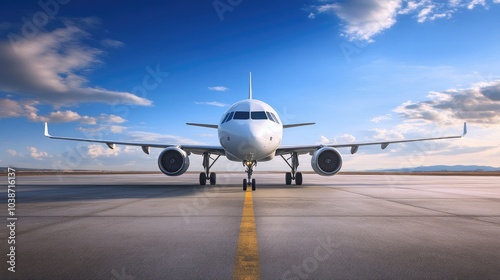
(326,161)
(173,161)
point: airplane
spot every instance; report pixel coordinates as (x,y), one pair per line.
(250,131)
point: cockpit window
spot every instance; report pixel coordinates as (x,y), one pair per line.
(225,118)
(275,118)
(259,115)
(272,117)
(241,115)
(228,117)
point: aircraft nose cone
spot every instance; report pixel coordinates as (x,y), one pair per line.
(256,142)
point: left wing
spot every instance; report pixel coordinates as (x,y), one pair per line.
(304,149)
(195,149)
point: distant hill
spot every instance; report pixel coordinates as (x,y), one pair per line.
(450,168)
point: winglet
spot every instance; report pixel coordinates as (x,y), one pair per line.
(46,132)
(465,129)
(250,88)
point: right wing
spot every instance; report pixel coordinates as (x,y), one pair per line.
(195,149)
(304,149)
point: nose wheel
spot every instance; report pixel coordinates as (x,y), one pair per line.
(246,184)
(249,182)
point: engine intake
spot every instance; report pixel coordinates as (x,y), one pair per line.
(326,161)
(173,161)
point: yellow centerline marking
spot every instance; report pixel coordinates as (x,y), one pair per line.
(247,265)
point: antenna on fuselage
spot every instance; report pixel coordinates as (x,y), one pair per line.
(250,88)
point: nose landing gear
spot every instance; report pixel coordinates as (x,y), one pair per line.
(249,170)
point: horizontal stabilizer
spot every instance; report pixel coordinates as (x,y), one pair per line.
(204,125)
(297,124)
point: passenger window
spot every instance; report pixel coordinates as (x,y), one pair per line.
(240,115)
(259,115)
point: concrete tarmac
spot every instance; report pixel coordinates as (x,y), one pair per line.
(149,226)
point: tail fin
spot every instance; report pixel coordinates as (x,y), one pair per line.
(250,88)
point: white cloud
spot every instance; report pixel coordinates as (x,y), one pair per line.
(117,128)
(144,136)
(36,154)
(110,43)
(21,108)
(99,150)
(111,118)
(324,140)
(340,139)
(212,103)
(379,134)
(425,12)
(475,3)
(101,129)
(68,116)
(50,67)
(479,104)
(12,152)
(411,6)
(26,108)
(218,88)
(363,19)
(382,118)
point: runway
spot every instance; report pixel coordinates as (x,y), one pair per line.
(150,226)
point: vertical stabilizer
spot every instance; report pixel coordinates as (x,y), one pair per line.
(250,88)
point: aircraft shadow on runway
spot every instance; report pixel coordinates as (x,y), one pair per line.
(86,192)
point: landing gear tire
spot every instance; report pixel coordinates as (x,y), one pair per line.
(293,162)
(206,166)
(213,178)
(288,178)
(298,178)
(203,179)
(244,184)
(253,184)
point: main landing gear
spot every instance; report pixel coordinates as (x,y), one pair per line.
(294,175)
(207,176)
(249,170)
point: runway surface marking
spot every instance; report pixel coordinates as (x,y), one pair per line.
(247,265)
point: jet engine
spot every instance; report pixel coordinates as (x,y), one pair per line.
(326,161)
(173,161)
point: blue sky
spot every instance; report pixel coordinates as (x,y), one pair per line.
(362,70)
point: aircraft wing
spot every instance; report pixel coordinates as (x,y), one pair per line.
(195,149)
(304,149)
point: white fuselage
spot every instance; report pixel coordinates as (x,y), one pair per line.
(250,130)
